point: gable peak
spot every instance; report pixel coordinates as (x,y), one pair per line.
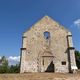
(46,17)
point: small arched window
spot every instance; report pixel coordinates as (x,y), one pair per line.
(46,35)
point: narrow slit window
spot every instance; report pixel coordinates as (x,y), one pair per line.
(43,61)
(46,35)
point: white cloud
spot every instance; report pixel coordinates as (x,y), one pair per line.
(77,23)
(0,57)
(14,58)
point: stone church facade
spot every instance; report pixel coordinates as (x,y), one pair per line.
(47,47)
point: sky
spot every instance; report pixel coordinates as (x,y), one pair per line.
(16,16)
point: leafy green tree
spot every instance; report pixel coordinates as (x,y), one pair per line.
(77,55)
(5,68)
(4,65)
(14,68)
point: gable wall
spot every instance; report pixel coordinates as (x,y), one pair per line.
(35,44)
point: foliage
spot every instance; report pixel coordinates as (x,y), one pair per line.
(77,55)
(14,68)
(4,65)
(5,68)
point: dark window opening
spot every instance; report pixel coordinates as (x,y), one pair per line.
(63,63)
(47,35)
(43,62)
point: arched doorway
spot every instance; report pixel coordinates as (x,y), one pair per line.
(50,67)
(47,63)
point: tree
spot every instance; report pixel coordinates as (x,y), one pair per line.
(4,65)
(14,68)
(5,68)
(77,55)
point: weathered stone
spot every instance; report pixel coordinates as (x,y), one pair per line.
(45,48)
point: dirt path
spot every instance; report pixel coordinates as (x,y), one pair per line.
(40,76)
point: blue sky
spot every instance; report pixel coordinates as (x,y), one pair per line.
(16,16)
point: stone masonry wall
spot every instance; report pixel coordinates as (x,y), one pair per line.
(36,46)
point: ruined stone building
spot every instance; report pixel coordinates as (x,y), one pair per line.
(47,47)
